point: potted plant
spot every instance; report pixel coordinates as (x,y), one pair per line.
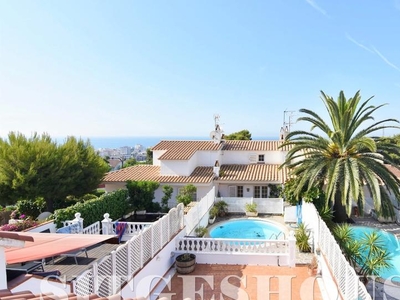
(251,209)
(201,231)
(185,263)
(313,266)
(213,214)
(222,207)
(302,236)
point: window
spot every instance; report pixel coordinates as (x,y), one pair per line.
(261,158)
(236,191)
(257,192)
(239,191)
(261,191)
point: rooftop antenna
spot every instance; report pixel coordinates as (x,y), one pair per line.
(217,134)
(289,114)
(285,129)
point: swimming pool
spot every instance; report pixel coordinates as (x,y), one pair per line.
(392,246)
(246,229)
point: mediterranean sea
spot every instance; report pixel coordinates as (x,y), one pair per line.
(130,141)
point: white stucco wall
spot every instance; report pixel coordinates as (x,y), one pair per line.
(113,186)
(156,156)
(243,157)
(206,158)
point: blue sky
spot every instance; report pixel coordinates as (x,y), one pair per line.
(164,68)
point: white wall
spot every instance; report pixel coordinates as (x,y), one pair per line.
(44,226)
(176,167)
(206,158)
(38,285)
(156,156)
(242,259)
(243,157)
(113,186)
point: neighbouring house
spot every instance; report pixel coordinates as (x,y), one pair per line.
(236,168)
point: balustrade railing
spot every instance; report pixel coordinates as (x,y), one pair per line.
(108,275)
(223,246)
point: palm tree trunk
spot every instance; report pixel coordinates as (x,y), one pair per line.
(49,204)
(339,210)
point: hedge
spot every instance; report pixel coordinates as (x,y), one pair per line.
(115,203)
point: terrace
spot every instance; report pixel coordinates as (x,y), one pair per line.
(144,265)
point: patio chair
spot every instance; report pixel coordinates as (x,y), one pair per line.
(27,267)
(55,273)
(75,254)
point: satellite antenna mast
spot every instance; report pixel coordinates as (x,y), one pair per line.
(285,129)
(289,114)
(217,134)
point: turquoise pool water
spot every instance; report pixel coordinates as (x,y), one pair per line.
(392,245)
(246,229)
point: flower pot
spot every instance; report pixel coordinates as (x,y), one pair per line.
(211,220)
(251,214)
(312,271)
(185,263)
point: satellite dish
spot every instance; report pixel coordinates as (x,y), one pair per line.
(213,135)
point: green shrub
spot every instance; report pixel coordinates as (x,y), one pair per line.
(213,212)
(115,203)
(302,236)
(187,194)
(201,231)
(31,208)
(251,207)
(222,207)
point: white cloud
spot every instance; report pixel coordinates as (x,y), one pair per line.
(317,7)
(385,59)
(358,44)
(373,50)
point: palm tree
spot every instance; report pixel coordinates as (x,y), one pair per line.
(346,157)
(367,254)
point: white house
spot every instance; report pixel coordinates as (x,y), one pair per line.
(236,168)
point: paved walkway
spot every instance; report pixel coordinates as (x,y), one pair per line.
(233,282)
(371,222)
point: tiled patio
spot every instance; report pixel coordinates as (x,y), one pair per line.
(244,282)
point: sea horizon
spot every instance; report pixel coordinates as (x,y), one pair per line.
(145,141)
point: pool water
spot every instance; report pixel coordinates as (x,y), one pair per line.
(246,229)
(392,246)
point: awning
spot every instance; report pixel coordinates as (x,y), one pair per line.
(51,244)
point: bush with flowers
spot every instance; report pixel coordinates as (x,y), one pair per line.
(19,224)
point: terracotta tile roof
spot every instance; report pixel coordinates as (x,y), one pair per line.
(253,172)
(184,150)
(199,175)
(394,170)
(152,173)
(237,145)
(136,173)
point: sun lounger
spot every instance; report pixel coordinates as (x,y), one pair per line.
(74,254)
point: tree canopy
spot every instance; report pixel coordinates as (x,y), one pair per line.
(240,135)
(39,167)
(346,156)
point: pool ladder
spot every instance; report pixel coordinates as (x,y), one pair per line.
(277,235)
